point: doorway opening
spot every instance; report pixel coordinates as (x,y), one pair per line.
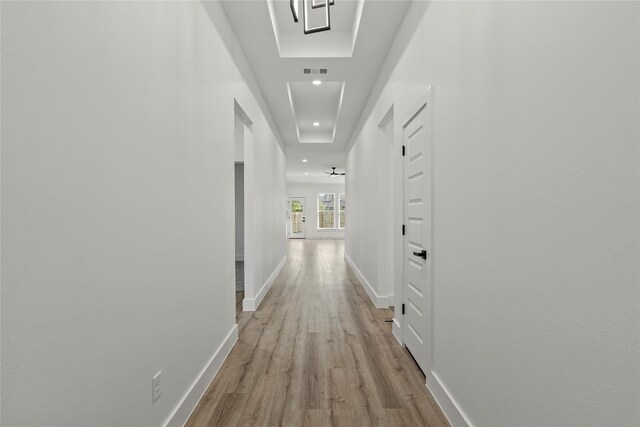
(385,190)
(296,225)
(243,149)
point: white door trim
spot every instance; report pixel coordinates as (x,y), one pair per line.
(245,132)
(387,233)
(424,101)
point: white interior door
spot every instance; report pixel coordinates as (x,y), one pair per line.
(417,240)
(297,218)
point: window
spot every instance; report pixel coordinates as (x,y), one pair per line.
(341,215)
(326,211)
(330,214)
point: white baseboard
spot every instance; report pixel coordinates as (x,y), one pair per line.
(318,238)
(383,301)
(380,301)
(183,410)
(447,403)
(386,300)
(396,330)
(251,304)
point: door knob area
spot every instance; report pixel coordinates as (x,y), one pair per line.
(422,254)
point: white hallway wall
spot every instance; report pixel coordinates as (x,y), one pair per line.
(264,216)
(535,203)
(310,193)
(117,175)
(369,237)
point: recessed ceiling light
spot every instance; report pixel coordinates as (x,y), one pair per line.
(316,124)
(306,173)
(304,160)
(317,82)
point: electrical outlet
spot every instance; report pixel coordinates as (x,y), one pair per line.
(155,387)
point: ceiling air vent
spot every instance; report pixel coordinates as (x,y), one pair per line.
(316,71)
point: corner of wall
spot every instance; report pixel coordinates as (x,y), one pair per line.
(446,402)
(251,304)
(221,23)
(379,301)
(185,408)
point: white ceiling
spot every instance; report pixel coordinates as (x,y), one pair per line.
(342,16)
(316,121)
(338,42)
(353,52)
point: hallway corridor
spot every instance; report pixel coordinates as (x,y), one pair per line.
(232,213)
(317,353)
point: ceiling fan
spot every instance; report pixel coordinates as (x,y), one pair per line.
(333,172)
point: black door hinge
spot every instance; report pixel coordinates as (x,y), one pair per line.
(402,308)
(403,229)
(403,150)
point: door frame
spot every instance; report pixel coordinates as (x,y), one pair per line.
(425,102)
(304,211)
(386,181)
(243,135)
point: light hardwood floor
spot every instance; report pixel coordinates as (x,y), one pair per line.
(317,353)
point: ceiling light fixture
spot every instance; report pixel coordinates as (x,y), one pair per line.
(315,4)
(306,173)
(304,160)
(294,9)
(316,124)
(317,82)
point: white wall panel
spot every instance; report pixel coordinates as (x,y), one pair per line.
(118,205)
(535,203)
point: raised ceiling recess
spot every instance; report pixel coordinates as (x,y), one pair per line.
(337,43)
(315,110)
(343,62)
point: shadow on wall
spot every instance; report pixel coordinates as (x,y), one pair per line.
(239,276)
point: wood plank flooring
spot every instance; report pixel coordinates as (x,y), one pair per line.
(317,353)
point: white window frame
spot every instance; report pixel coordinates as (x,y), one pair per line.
(337,209)
(318,213)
